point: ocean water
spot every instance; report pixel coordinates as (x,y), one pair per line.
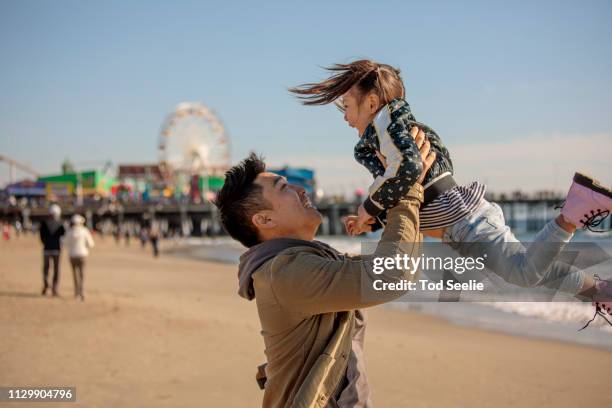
(559,320)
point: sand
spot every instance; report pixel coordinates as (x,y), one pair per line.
(171,332)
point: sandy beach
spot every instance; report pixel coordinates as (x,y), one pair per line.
(172,332)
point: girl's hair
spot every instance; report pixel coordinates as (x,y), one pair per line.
(368,76)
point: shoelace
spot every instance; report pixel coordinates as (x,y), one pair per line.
(597,311)
(596,218)
(590,221)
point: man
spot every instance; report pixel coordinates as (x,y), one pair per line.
(307,293)
(51,232)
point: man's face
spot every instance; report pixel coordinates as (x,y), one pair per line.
(292,213)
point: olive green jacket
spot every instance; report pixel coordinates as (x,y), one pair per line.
(306,298)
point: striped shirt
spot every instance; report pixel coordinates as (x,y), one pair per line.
(451,206)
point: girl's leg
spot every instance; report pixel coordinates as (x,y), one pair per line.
(485,232)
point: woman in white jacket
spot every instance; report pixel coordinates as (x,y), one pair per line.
(78,240)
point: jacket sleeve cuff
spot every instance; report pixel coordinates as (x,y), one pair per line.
(417,192)
(371,208)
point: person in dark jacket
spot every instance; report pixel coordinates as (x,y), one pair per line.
(51,232)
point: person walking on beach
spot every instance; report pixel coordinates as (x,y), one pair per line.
(143,235)
(78,241)
(127,233)
(51,232)
(117,233)
(154,238)
(309,294)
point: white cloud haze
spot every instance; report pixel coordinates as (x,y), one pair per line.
(538,162)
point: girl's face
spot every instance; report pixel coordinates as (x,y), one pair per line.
(358,113)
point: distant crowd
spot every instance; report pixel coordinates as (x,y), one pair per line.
(76,238)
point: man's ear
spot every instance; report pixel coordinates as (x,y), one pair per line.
(263,220)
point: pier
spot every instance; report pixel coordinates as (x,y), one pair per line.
(523,215)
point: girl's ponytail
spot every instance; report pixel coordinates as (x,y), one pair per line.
(368,76)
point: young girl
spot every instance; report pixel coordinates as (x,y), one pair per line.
(372,98)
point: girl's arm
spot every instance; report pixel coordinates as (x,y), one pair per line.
(404,163)
(367,157)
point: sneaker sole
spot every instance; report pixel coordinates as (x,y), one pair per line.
(592,184)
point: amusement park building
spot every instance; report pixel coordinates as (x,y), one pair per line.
(152,180)
(93,182)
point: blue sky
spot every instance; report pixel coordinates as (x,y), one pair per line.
(521,92)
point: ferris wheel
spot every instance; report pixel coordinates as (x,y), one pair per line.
(193,141)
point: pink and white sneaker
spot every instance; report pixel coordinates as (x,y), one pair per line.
(588,203)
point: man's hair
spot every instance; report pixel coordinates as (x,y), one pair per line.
(369,76)
(240,198)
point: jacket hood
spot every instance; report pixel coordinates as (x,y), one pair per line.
(258,255)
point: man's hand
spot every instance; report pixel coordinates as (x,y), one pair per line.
(427,156)
(360,223)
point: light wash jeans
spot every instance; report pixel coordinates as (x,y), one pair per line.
(485,231)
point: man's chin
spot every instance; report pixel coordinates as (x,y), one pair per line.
(319,220)
(314,218)
(317,214)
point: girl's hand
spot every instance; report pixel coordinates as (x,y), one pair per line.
(363,220)
(350,223)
